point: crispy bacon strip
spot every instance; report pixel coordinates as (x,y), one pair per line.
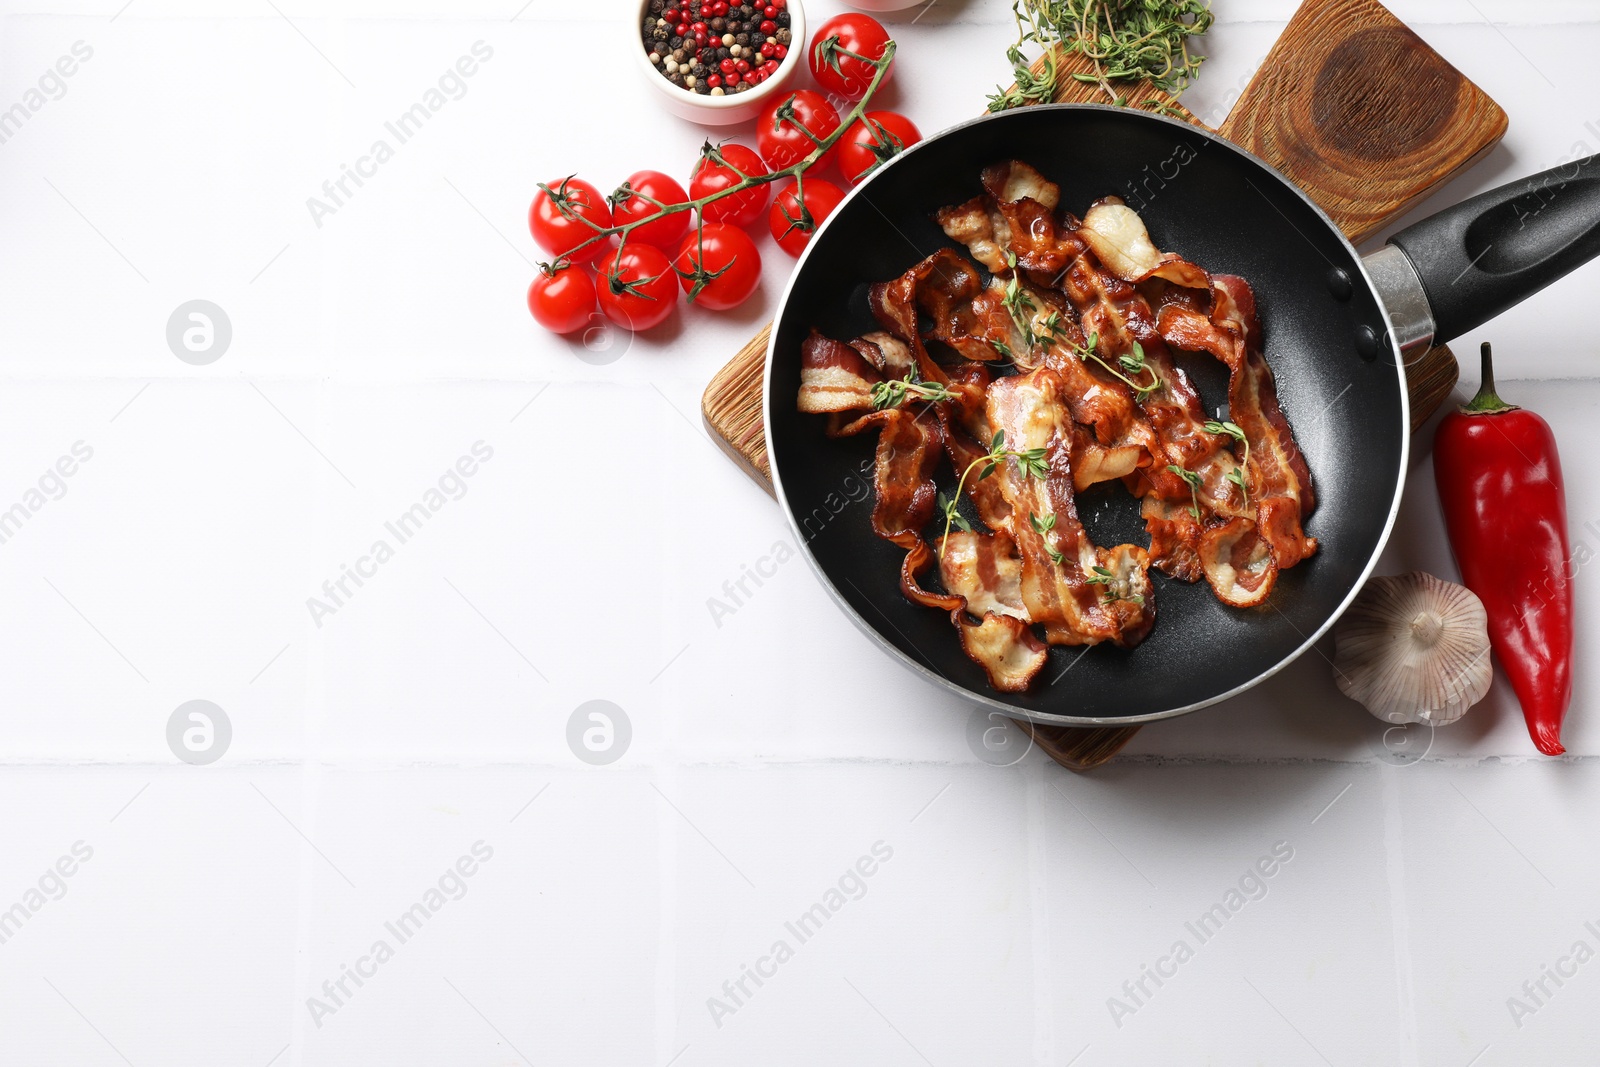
(986,570)
(910,442)
(1002,644)
(834,376)
(1119,238)
(1058,560)
(1277,475)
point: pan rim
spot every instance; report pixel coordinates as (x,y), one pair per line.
(987,699)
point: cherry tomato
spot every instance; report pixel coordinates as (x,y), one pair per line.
(636,203)
(718,266)
(857,33)
(557,216)
(876,137)
(791,226)
(636,287)
(779,133)
(563,299)
(711,176)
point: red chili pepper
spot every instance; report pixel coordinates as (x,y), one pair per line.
(1505,508)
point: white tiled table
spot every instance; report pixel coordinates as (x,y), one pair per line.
(427,716)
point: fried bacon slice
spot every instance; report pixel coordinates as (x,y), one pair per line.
(1062,584)
(910,443)
(834,376)
(1066,375)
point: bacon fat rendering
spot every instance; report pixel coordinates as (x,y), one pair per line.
(1047,363)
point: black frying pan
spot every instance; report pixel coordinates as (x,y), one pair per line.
(1337,332)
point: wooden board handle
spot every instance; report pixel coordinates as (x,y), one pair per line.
(1357,110)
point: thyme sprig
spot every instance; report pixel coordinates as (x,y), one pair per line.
(1192,480)
(1236,476)
(1112,587)
(1042,527)
(892,394)
(1020,303)
(1124,40)
(948,506)
(1133,363)
(1029,88)
(1031,460)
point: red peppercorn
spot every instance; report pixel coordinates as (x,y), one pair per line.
(770,66)
(714,81)
(742,66)
(769,27)
(726,66)
(780,4)
(731,79)
(769,12)
(672,15)
(681,29)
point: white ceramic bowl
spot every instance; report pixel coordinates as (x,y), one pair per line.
(719,110)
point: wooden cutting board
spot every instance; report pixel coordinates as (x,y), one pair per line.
(1354,108)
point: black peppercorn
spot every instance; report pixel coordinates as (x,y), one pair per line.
(679,55)
(698,69)
(741,87)
(718,25)
(723,53)
(660,33)
(741,39)
(657,6)
(784,37)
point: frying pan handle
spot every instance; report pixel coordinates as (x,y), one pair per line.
(1489,253)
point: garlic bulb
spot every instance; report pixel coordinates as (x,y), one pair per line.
(1414,648)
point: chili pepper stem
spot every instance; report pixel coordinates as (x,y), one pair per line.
(1487,402)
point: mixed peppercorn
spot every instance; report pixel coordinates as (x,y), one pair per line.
(717,47)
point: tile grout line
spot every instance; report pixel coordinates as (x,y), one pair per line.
(1399,920)
(1044,1031)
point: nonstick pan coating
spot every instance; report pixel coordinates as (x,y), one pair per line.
(1217,206)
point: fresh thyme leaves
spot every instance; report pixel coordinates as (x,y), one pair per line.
(1112,588)
(1042,527)
(1193,481)
(1020,303)
(892,394)
(1124,40)
(948,505)
(1030,88)
(1133,363)
(1236,476)
(1031,460)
